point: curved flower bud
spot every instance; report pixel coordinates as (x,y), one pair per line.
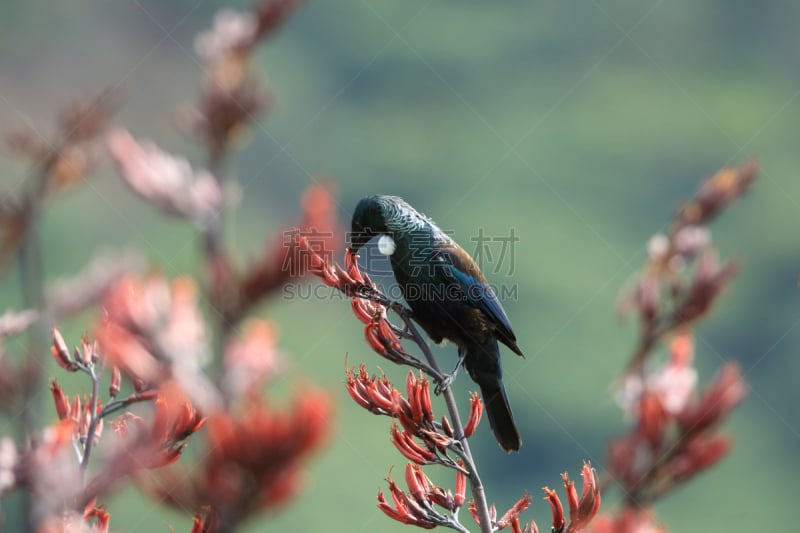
(419,399)
(116,382)
(475,412)
(718,400)
(461,486)
(60,352)
(405,444)
(60,399)
(364,310)
(700,453)
(373,340)
(556,508)
(513,513)
(351,265)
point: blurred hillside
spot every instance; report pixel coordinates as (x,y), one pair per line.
(579,125)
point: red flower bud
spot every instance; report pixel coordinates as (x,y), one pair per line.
(475,412)
(700,453)
(61,352)
(374,341)
(709,280)
(446,427)
(400,512)
(364,310)
(461,487)
(572,497)
(435,439)
(589,503)
(356,390)
(75,410)
(345,282)
(89,350)
(419,399)
(652,418)
(388,336)
(116,382)
(473,510)
(718,400)
(514,512)
(60,399)
(351,264)
(581,511)
(405,444)
(418,483)
(555,508)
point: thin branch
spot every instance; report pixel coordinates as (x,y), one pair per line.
(218,276)
(119,405)
(93,420)
(478,492)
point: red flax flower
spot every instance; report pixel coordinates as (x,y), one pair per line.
(683,277)
(251,462)
(368,304)
(719,398)
(165,180)
(414,412)
(265,447)
(152,330)
(146,445)
(93,520)
(232,97)
(716,193)
(581,510)
(172,426)
(140,445)
(416,507)
(512,515)
(60,352)
(78,411)
(674,436)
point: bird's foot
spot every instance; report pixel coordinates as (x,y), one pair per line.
(444,383)
(448,379)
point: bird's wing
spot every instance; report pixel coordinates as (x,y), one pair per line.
(458,265)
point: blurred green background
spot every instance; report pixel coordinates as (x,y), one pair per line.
(581,125)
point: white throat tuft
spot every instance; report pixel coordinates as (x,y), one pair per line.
(386,245)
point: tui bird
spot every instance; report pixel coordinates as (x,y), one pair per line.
(449,298)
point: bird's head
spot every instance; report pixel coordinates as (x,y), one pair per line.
(369,220)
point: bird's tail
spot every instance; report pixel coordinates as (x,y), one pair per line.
(483,365)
